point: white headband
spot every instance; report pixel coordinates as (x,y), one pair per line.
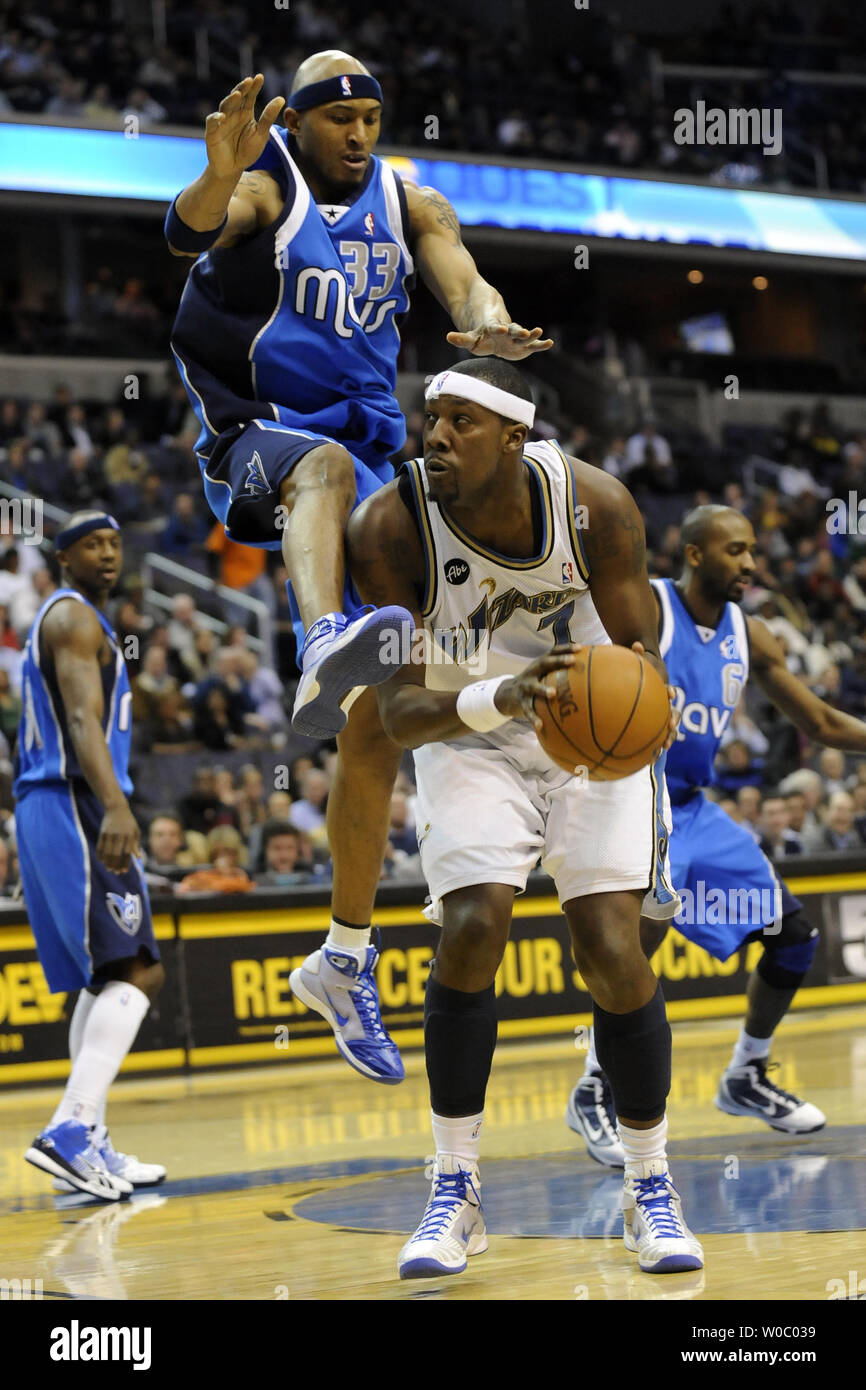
(472,388)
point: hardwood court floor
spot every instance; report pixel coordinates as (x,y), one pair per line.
(302,1181)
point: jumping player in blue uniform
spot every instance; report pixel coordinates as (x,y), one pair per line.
(78,841)
(286,339)
(729,889)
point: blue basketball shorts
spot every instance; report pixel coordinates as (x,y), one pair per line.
(82,915)
(242,476)
(728,888)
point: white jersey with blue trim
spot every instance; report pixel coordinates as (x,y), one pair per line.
(45,752)
(488,614)
(709,668)
(299,322)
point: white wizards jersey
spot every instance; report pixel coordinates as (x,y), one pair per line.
(487,614)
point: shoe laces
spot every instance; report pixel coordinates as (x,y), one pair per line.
(656,1202)
(449,1192)
(366,1002)
(765,1067)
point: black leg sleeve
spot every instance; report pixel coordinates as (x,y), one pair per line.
(634,1050)
(459,1040)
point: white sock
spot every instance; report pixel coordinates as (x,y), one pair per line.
(109,1031)
(593,1066)
(80,1015)
(749,1049)
(643,1145)
(460,1136)
(359,937)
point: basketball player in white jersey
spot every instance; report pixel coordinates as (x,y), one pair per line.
(481,543)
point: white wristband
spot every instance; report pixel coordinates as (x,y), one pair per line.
(476,708)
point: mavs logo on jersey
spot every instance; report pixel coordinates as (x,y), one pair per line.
(125,910)
(299,323)
(707,690)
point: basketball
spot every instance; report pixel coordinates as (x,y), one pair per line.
(609,714)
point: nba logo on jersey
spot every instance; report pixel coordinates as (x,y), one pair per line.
(256,481)
(567,572)
(345,86)
(126,911)
(369,224)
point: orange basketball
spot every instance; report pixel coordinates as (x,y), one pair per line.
(610,714)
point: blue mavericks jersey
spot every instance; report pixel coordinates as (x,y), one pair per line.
(300,324)
(708,668)
(45,751)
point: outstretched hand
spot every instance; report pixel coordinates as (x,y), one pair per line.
(233,136)
(501,340)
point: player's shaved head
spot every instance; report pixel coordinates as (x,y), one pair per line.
(331,62)
(697,525)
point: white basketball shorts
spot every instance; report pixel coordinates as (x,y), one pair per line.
(487,811)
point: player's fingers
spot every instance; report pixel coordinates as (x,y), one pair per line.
(271,111)
(638,647)
(541,346)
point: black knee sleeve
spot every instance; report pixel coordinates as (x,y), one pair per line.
(634,1051)
(459,1041)
(788,956)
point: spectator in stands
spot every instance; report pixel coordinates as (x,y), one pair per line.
(749,806)
(154,681)
(98,108)
(170,730)
(197,660)
(26,602)
(615,460)
(199,807)
(281,845)
(401,832)
(224,786)
(278,808)
(217,724)
(309,813)
(250,800)
(169,846)
(240,567)
(41,431)
(226,856)
(8,635)
(8,872)
(80,489)
(297,771)
(185,531)
(736,767)
(839,831)
(10,709)
(647,444)
(831,766)
(266,692)
(777,838)
(182,625)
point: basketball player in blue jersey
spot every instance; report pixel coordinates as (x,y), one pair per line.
(730,890)
(481,537)
(78,840)
(287,340)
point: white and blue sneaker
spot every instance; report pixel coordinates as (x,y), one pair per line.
(340,656)
(67,1151)
(590,1112)
(452,1227)
(338,983)
(653,1225)
(748,1090)
(125,1166)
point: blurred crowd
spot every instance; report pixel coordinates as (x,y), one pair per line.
(596,102)
(210,705)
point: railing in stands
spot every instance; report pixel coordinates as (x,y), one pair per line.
(184,580)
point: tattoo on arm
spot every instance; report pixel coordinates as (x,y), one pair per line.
(446,217)
(618,537)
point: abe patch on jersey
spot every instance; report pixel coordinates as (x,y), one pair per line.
(456,571)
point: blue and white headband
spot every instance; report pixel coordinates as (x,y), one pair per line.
(472,388)
(71,534)
(346,87)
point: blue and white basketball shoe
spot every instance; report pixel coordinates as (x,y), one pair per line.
(653,1225)
(452,1227)
(590,1112)
(125,1166)
(67,1151)
(338,983)
(748,1090)
(340,656)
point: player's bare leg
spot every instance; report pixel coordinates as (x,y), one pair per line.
(459,1041)
(341,652)
(337,980)
(633,1044)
